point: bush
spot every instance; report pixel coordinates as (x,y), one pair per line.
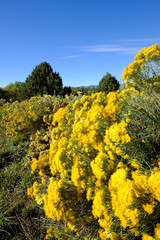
(100,177)
(19,125)
(108,84)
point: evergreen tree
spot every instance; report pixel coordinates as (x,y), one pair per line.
(67,91)
(43,81)
(108,84)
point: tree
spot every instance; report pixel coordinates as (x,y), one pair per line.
(108,84)
(44,81)
(67,91)
(4,94)
(56,85)
(16,91)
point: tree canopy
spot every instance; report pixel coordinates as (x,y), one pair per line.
(43,81)
(67,91)
(16,91)
(4,94)
(108,84)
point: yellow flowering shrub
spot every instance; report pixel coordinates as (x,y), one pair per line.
(93,168)
(112,108)
(28,116)
(116,136)
(99,177)
(122,198)
(154,184)
(144,69)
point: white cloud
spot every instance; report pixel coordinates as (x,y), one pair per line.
(128,46)
(72,56)
(107,48)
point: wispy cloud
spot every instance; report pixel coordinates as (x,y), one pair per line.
(128,46)
(108,48)
(72,56)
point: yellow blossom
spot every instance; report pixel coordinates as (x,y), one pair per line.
(157,231)
(149,208)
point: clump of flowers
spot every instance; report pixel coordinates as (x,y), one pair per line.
(103,164)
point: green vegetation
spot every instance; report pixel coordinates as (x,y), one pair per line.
(20,217)
(84,166)
(16,91)
(43,81)
(108,84)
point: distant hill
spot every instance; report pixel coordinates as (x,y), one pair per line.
(122,85)
(90,86)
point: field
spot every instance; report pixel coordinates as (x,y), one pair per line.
(84,167)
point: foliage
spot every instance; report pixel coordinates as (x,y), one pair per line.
(25,118)
(89,157)
(43,81)
(100,177)
(15,177)
(145,70)
(108,84)
(19,124)
(16,91)
(67,91)
(83,90)
(20,218)
(91,163)
(4,94)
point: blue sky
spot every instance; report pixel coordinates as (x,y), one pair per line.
(80,39)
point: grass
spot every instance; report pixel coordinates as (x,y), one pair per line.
(20,217)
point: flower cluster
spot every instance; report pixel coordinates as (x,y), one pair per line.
(103,166)
(26,117)
(144,69)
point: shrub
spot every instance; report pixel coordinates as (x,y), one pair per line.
(100,177)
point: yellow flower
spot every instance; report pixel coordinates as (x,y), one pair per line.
(30,192)
(143,63)
(89,194)
(141,181)
(139,108)
(149,208)
(49,232)
(34,165)
(112,108)
(154,184)
(146,237)
(122,190)
(157,231)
